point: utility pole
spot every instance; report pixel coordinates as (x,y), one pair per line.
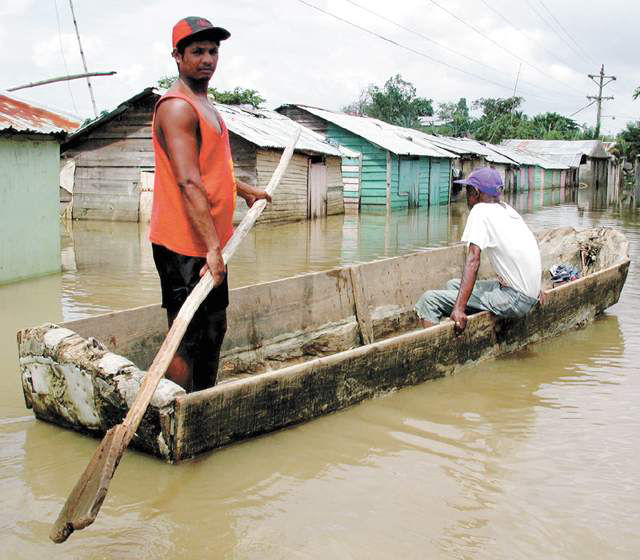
(599,80)
(84,62)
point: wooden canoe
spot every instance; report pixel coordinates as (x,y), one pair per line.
(301,347)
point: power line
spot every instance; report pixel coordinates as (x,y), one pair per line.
(582,109)
(565,31)
(474,28)
(442,46)
(64,60)
(509,22)
(415,51)
(554,30)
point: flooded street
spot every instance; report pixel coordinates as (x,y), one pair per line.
(533,455)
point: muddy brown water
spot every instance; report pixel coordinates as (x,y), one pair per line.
(534,455)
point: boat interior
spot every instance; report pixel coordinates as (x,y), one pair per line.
(284,322)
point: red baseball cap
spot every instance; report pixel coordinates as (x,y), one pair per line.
(191,25)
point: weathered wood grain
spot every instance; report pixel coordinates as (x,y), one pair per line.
(255,405)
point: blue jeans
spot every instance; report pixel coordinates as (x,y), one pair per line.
(487,295)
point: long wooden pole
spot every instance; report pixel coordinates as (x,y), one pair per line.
(61,79)
(84,62)
(83,504)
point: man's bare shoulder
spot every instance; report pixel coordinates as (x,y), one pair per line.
(176,111)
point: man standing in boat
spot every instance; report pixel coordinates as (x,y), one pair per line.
(492,226)
(194,199)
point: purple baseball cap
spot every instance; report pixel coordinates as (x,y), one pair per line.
(484,179)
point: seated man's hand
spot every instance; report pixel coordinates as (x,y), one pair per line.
(459,318)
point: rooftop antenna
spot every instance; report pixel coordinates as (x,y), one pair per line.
(84,62)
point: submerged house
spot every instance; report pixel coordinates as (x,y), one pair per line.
(473,154)
(399,167)
(587,160)
(536,171)
(312,186)
(109,155)
(30,137)
(114,163)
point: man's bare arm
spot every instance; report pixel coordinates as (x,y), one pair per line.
(178,124)
(469,275)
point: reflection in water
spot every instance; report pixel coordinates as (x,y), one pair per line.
(529,456)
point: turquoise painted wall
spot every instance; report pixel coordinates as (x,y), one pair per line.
(373,185)
(548,178)
(29,207)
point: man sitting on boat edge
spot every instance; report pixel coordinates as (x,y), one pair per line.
(495,227)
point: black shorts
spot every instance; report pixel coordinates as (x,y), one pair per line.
(200,346)
(179,275)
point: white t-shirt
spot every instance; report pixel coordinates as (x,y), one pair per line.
(510,245)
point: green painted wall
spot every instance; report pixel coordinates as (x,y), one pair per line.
(538,173)
(373,185)
(548,178)
(440,181)
(29,207)
(373,177)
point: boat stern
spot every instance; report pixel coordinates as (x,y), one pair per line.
(79,384)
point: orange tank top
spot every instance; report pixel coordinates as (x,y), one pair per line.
(170,223)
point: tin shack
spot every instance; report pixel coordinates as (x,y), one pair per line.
(30,137)
(399,168)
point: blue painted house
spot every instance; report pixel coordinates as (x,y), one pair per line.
(399,167)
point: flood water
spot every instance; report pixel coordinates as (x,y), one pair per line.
(534,455)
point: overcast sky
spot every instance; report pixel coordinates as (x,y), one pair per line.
(292,53)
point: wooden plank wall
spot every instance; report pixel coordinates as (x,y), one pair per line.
(335,186)
(351,168)
(244,155)
(108,165)
(290,200)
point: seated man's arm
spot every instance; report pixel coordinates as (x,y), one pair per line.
(469,275)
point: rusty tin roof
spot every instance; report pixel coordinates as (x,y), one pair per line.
(17,115)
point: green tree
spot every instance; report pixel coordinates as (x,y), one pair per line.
(396,102)
(553,126)
(501,119)
(359,106)
(636,93)
(236,96)
(629,141)
(456,119)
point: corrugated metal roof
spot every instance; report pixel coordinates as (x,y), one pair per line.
(568,152)
(523,157)
(468,146)
(261,127)
(268,129)
(25,116)
(396,139)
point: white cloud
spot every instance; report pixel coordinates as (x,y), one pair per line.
(292,53)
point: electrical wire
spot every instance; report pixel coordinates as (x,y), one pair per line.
(479,32)
(64,60)
(566,32)
(415,51)
(441,45)
(582,109)
(524,31)
(555,31)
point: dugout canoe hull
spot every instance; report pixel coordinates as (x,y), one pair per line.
(305,353)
